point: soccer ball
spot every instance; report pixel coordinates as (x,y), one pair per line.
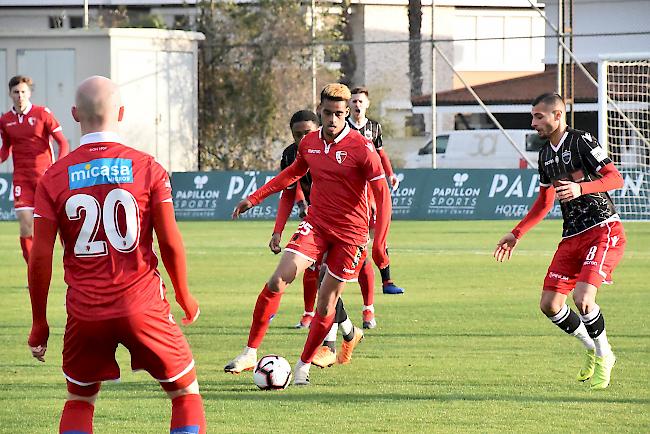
(272,373)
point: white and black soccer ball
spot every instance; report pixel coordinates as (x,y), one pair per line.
(272,373)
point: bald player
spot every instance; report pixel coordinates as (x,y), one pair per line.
(576,170)
(106,200)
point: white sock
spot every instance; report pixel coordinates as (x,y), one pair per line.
(249,350)
(582,334)
(371,308)
(308,313)
(331,335)
(346,327)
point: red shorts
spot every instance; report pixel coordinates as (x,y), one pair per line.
(344,261)
(587,257)
(24,191)
(154,340)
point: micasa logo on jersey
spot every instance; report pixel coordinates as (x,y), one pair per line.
(566,157)
(100,171)
(368,134)
(340,156)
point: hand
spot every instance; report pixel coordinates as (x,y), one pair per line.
(38,352)
(505,247)
(274,244)
(241,208)
(566,191)
(37,341)
(394,181)
(191,308)
(302,209)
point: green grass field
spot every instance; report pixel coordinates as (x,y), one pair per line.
(464,350)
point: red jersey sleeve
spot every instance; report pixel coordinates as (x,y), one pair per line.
(51,124)
(538,211)
(5,144)
(161,186)
(372,166)
(43,203)
(284,179)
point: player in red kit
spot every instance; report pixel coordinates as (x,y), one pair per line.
(105,200)
(574,168)
(25,131)
(343,165)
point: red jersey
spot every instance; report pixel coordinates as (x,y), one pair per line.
(27,136)
(340,174)
(101,196)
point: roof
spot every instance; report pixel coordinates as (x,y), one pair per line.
(520,90)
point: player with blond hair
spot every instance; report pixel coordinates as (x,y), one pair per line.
(342,164)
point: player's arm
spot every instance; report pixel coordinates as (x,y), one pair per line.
(538,211)
(39,276)
(5,145)
(56,131)
(301,201)
(285,205)
(611,180)
(384,210)
(385,161)
(285,178)
(172,253)
(64,146)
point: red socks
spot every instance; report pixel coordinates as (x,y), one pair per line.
(367,283)
(26,246)
(188,415)
(317,332)
(266,307)
(310,288)
(77,418)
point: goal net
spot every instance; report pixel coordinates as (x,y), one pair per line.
(624,128)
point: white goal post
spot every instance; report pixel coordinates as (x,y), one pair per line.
(624,128)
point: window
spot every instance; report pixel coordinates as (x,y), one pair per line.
(56,22)
(76,22)
(534,142)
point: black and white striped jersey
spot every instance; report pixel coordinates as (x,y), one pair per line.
(288,157)
(578,158)
(371,130)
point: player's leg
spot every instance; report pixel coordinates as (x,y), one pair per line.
(291,264)
(158,346)
(328,294)
(188,414)
(88,359)
(79,408)
(310,288)
(367,285)
(326,354)
(559,282)
(602,250)
(387,284)
(25,217)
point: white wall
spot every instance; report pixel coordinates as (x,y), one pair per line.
(603,16)
(156,69)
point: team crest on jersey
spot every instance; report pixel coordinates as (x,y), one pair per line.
(566,157)
(368,134)
(340,156)
(31,120)
(100,171)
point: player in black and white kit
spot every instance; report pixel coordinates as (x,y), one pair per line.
(371,130)
(574,168)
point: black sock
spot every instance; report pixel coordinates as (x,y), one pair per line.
(349,336)
(341,314)
(385,274)
(566,319)
(596,326)
(331,345)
